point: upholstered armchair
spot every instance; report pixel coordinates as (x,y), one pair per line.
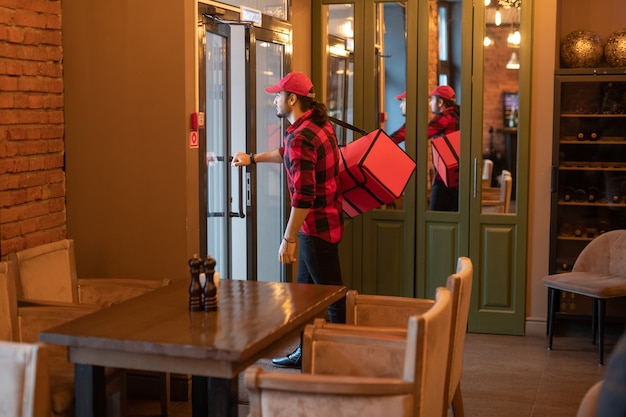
(389,315)
(358,374)
(22,323)
(24,390)
(600,273)
(48,273)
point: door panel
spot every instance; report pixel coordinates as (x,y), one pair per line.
(432,241)
(267,180)
(376,251)
(387,262)
(496,296)
(498,304)
(441,252)
(245,207)
(214,145)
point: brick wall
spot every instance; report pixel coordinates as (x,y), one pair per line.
(498,80)
(32,180)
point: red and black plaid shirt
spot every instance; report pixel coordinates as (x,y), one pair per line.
(311,158)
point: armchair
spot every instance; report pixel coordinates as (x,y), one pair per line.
(22,323)
(600,273)
(413,388)
(24,380)
(47,273)
(390,314)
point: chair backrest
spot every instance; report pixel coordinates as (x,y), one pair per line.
(24,390)
(413,382)
(8,305)
(426,357)
(460,286)
(388,311)
(487,172)
(604,254)
(47,272)
(381,310)
(506,187)
(498,197)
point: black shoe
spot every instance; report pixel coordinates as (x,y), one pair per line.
(293,360)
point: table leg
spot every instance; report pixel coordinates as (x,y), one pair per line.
(89,391)
(214,397)
(199,400)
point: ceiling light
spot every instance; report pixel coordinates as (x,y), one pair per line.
(498,18)
(514,39)
(513,62)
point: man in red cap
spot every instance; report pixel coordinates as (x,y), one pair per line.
(445,120)
(310,154)
(399,135)
(443,107)
(445,111)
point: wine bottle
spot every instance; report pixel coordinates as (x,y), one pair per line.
(580,195)
(592,194)
(568,194)
(579,229)
(566,230)
(603,226)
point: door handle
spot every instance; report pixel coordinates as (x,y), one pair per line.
(475,183)
(241,214)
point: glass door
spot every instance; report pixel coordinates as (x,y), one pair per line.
(268,60)
(245,207)
(214,144)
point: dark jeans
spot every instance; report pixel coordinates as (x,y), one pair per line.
(443,198)
(318,263)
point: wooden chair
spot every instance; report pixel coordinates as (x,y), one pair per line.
(600,273)
(387,311)
(343,382)
(47,273)
(498,197)
(23,322)
(24,390)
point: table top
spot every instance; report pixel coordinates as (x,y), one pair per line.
(251,316)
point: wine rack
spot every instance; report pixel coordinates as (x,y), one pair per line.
(589,161)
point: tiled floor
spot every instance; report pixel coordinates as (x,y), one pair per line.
(504,376)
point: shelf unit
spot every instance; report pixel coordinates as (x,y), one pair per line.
(589,165)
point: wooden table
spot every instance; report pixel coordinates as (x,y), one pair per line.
(157,332)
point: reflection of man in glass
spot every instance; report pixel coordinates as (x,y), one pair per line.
(445,120)
(400,135)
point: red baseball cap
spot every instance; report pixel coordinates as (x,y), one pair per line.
(401,96)
(445,92)
(294,82)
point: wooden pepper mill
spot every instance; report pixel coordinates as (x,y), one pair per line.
(195,289)
(210,290)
